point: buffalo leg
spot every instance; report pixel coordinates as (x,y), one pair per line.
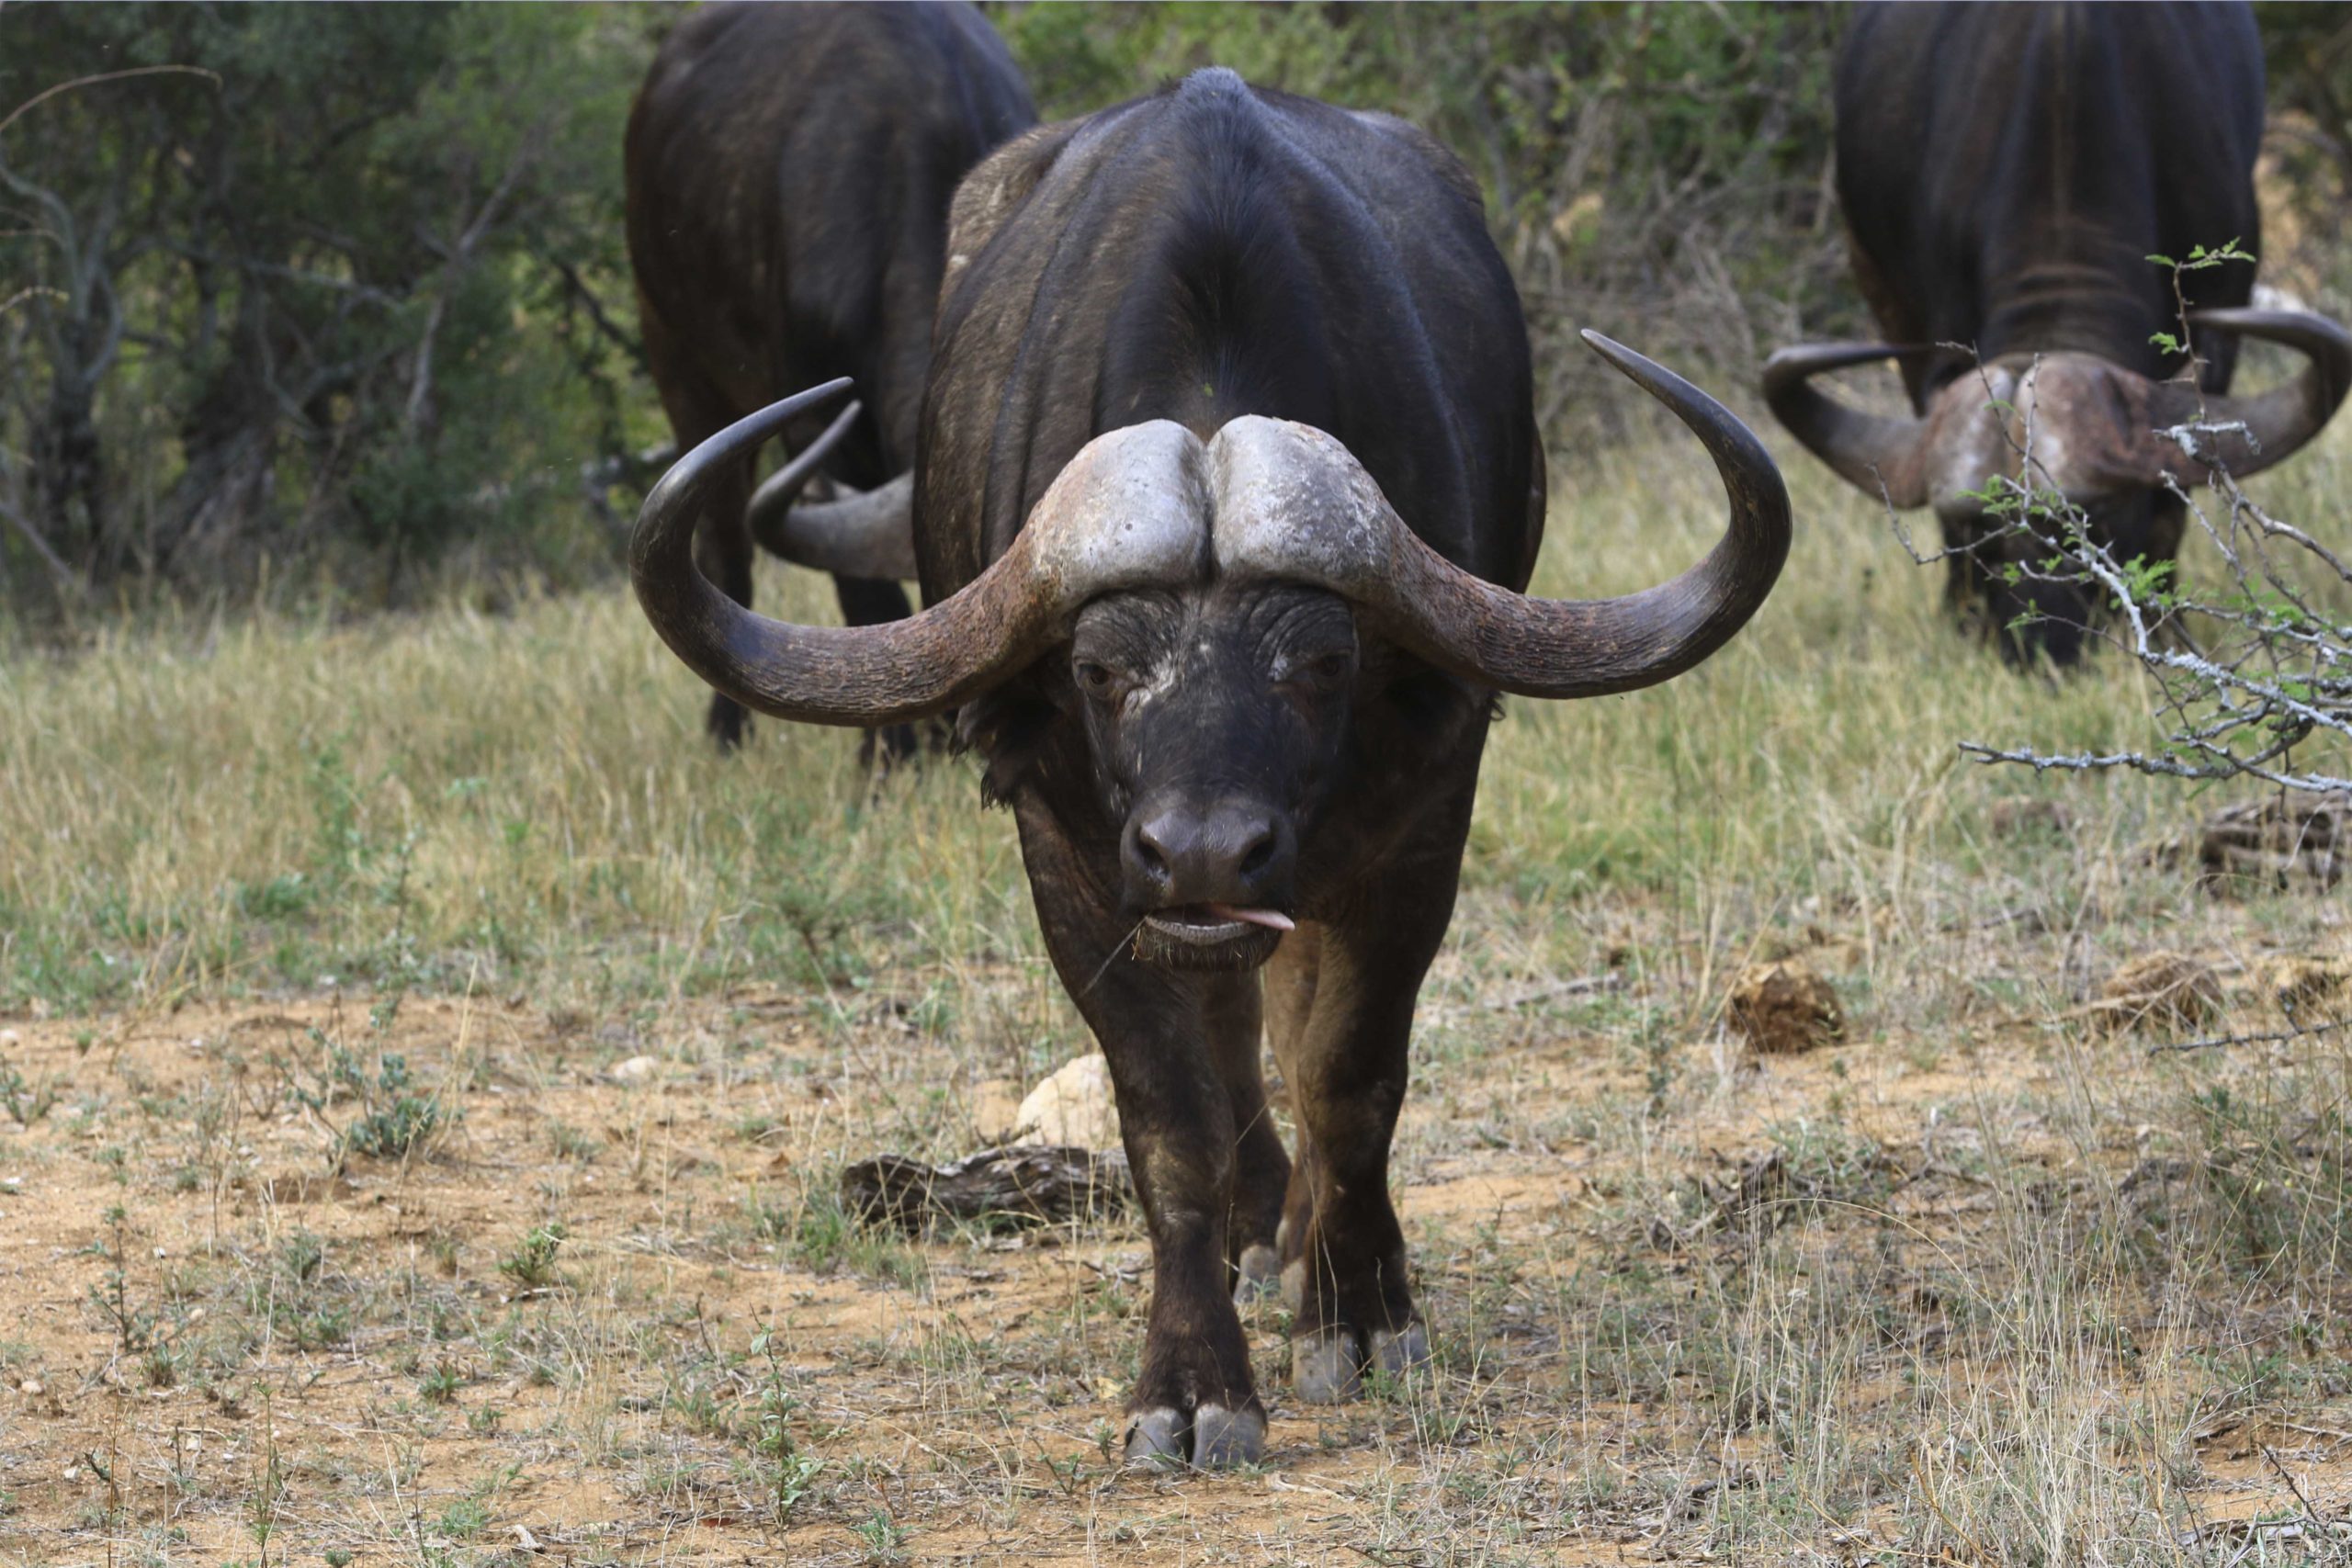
(870,601)
(1343,1250)
(1232,1008)
(1289,999)
(723,548)
(1194,1402)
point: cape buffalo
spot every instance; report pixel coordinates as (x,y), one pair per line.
(1228,488)
(2007,172)
(789,170)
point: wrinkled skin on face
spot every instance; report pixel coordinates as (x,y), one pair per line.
(1216,719)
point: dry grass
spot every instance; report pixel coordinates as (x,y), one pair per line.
(1978,1282)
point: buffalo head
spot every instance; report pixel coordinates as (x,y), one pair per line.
(2070,423)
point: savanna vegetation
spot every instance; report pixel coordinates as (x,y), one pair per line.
(426,1067)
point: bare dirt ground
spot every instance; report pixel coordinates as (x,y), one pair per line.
(1692,1303)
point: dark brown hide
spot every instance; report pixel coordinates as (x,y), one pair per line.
(2007,172)
(789,170)
(1212,251)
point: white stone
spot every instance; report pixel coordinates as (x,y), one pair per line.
(1074,1107)
(637,1070)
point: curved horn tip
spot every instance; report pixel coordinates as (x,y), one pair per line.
(1616,352)
(783,487)
(1814,358)
(663,514)
(1641,369)
(750,430)
(2320,337)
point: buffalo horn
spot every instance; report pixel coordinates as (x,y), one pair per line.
(1881,454)
(1129,510)
(863,533)
(1294,504)
(2285,417)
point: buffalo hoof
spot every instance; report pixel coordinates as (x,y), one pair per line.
(1227,1440)
(1397,1354)
(1326,1367)
(1261,1275)
(1214,1438)
(1156,1438)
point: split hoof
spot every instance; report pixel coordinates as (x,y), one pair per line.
(1397,1354)
(1327,1368)
(1156,1439)
(1259,1275)
(1213,1439)
(1227,1440)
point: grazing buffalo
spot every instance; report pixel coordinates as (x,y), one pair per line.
(2007,172)
(1228,491)
(789,170)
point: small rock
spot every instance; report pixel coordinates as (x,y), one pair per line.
(1073,1108)
(637,1070)
(31,1388)
(1784,1006)
(2161,990)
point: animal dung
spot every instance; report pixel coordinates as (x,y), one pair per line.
(1073,1107)
(1784,1006)
(2160,990)
(2283,840)
(1021,1186)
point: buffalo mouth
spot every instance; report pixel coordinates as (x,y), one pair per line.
(1209,936)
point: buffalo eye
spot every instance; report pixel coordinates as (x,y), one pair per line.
(1323,671)
(1094,680)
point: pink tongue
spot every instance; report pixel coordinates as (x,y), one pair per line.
(1273,920)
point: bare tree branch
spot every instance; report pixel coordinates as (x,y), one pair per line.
(47,93)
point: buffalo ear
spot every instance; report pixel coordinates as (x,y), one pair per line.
(1009,728)
(1434,705)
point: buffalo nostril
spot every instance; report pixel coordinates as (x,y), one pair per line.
(1259,854)
(1153,859)
(1153,849)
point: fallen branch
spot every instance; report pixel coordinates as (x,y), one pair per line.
(2274,1037)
